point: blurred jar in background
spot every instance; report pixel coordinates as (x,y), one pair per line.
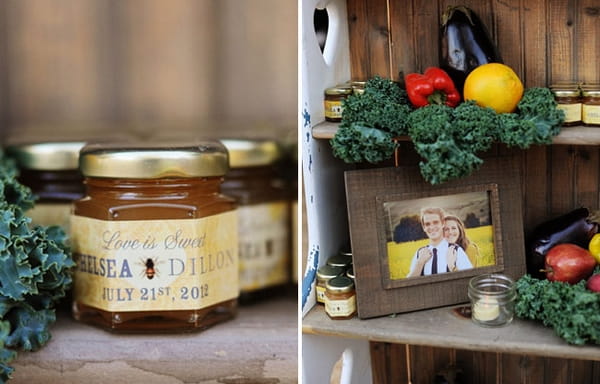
(264,215)
(51,170)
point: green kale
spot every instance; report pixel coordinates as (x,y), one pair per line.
(358,143)
(382,105)
(35,271)
(474,127)
(571,310)
(447,139)
(536,121)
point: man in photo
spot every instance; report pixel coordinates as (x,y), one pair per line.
(438,256)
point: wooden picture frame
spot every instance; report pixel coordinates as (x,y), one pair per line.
(384,212)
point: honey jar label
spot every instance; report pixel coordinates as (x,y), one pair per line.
(264,245)
(155,265)
(572,112)
(321,294)
(51,214)
(591,114)
(333,109)
(340,308)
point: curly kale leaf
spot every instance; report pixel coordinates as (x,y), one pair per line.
(571,310)
(35,271)
(445,160)
(6,355)
(447,139)
(30,327)
(382,105)
(474,127)
(359,143)
(536,121)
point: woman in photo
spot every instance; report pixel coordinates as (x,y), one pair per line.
(455,233)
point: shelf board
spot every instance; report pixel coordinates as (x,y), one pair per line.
(259,345)
(443,328)
(577,135)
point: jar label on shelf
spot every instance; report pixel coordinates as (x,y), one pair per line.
(51,214)
(333,109)
(591,114)
(264,245)
(572,112)
(340,308)
(155,265)
(321,294)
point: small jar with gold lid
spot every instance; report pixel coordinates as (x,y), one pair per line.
(154,239)
(590,113)
(334,97)
(340,302)
(324,274)
(568,99)
(264,232)
(51,170)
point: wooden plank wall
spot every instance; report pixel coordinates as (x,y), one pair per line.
(544,42)
(80,67)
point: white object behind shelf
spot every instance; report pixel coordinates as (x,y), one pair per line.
(323,174)
(324,189)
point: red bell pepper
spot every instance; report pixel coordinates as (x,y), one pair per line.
(434,86)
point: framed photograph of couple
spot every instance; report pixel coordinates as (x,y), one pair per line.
(416,245)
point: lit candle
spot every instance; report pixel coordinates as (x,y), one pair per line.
(486,309)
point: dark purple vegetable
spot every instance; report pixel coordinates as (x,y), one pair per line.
(573,227)
(465,44)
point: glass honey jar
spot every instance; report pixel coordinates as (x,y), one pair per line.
(568,99)
(590,113)
(340,298)
(51,171)
(264,214)
(324,274)
(154,239)
(334,97)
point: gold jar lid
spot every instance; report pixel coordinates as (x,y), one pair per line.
(350,273)
(326,272)
(566,92)
(340,260)
(340,284)
(46,156)
(591,93)
(154,161)
(339,90)
(252,152)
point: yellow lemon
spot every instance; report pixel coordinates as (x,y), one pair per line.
(594,247)
(494,85)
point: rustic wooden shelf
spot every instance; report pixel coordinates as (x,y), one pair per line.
(577,135)
(443,328)
(260,345)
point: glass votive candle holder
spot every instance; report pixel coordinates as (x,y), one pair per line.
(492,299)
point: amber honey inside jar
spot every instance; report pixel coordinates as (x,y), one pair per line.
(264,233)
(154,239)
(51,170)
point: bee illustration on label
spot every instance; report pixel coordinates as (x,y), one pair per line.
(150,269)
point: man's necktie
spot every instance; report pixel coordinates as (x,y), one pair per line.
(434,262)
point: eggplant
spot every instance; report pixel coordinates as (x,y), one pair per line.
(465,44)
(574,227)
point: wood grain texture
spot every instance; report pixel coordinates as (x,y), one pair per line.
(151,68)
(258,346)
